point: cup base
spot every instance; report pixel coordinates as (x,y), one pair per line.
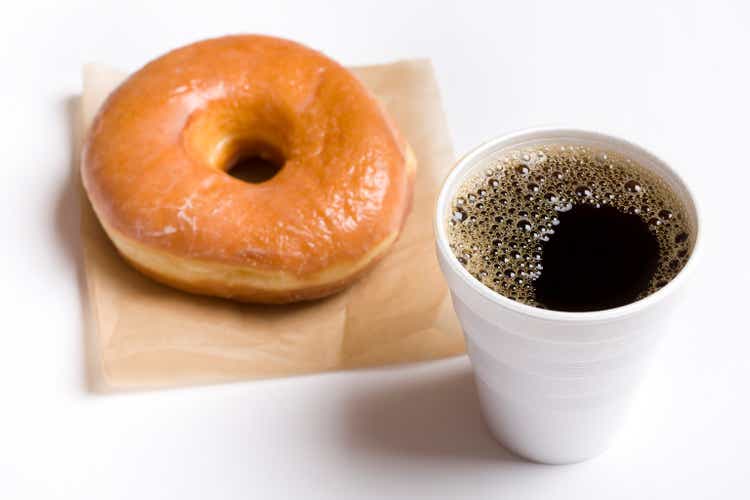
(550,436)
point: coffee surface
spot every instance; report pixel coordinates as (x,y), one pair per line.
(569,227)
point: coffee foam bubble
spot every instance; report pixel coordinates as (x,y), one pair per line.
(502,215)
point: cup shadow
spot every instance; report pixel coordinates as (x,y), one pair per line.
(431,419)
(66,226)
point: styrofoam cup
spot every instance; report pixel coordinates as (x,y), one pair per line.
(554,386)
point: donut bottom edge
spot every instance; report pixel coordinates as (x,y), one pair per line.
(243,283)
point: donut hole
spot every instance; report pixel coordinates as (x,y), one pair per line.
(256,164)
(247,138)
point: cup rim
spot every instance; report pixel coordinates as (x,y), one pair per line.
(467,161)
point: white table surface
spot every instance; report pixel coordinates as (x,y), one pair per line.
(674,77)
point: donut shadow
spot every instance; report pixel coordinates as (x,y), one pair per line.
(66,223)
(434,419)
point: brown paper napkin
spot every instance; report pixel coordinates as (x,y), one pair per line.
(145,335)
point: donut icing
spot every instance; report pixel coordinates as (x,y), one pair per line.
(155,167)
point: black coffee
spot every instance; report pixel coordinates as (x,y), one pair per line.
(569,228)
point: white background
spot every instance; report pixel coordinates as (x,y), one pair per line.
(673,76)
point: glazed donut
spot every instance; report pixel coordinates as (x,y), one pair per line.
(155,165)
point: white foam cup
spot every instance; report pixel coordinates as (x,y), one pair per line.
(554,386)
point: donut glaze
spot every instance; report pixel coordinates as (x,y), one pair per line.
(155,167)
